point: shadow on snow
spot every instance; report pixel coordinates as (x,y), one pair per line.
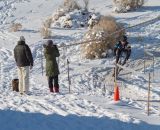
(15,120)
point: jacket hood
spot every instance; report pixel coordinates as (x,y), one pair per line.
(21,42)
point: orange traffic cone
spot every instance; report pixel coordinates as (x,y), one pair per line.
(116,93)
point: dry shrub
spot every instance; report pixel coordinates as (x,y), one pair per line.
(70,5)
(48,22)
(121,6)
(86,3)
(93,20)
(15,27)
(45,32)
(73,4)
(133,3)
(102,38)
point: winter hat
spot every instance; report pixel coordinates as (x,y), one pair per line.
(124,38)
(22,38)
(49,43)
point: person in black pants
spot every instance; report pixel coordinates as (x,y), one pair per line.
(52,71)
(50,82)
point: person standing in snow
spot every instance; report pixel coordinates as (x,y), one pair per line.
(122,49)
(24,61)
(51,52)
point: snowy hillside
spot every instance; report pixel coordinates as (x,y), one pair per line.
(90,104)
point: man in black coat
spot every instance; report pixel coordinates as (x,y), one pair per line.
(24,61)
(122,48)
(122,52)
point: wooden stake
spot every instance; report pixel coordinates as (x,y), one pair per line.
(69,81)
(115,74)
(104,90)
(42,59)
(153,66)
(144,65)
(149,89)
(144,58)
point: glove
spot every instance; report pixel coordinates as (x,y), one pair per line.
(129,47)
(56,47)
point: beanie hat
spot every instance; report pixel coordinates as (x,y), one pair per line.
(124,38)
(22,38)
(49,43)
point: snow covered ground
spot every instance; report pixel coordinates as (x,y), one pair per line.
(90,104)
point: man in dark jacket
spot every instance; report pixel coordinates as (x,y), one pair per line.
(51,52)
(122,50)
(24,61)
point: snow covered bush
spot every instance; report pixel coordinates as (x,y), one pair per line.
(72,15)
(15,27)
(103,41)
(122,6)
(77,19)
(68,6)
(93,20)
(59,13)
(64,21)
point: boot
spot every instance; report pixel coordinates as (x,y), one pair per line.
(56,89)
(51,90)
